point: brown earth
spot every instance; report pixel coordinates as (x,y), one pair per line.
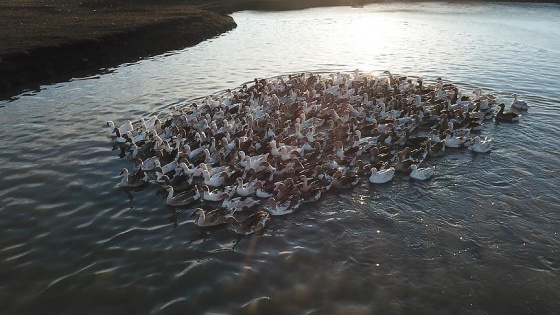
(49,40)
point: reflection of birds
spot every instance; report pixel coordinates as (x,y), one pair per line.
(255,222)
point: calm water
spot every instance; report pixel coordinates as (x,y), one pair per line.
(480,238)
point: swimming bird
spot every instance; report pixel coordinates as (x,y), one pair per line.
(210,218)
(245,189)
(381,176)
(263,192)
(287,206)
(121,130)
(214,195)
(137,179)
(421,173)
(517,104)
(253,223)
(238,203)
(435,149)
(268,139)
(451,141)
(216,180)
(481,145)
(344,181)
(184,198)
(506,116)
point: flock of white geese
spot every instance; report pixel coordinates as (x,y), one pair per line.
(268,147)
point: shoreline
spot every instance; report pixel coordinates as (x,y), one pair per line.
(26,68)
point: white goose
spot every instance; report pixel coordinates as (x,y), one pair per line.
(122,129)
(517,104)
(452,141)
(244,189)
(286,207)
(214,181)
(189,169)
(238,203)
(421,173)
(481,145)
(381,176)
(211,170)
(214,195)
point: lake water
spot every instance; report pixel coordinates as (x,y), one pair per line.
(481,237)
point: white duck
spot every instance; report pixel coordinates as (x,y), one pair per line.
(381,176)
(481,145)
(421,173)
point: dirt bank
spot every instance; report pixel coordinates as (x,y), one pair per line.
(44,44)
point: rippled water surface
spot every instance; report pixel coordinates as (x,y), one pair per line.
(481,237)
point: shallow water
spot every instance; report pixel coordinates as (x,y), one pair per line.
(479,238)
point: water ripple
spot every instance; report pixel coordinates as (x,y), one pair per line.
(73,240)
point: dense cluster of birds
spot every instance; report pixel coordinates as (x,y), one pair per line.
(268,147)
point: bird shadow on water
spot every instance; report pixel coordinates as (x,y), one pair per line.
(214,239)
(128,194)
(173,218)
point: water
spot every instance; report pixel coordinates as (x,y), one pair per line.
(480,238)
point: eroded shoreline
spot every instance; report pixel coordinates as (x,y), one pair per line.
(25,69)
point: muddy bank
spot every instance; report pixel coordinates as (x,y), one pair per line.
(27,69)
